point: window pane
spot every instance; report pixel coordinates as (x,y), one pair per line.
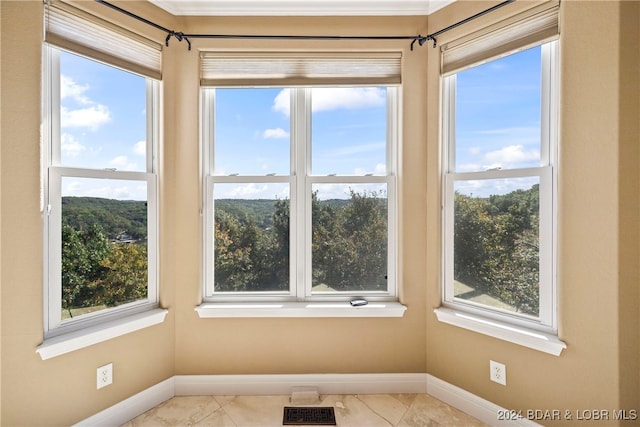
(103,121)
(349,131)
(252,128)
(498,114)
(349,237)
(251,233)
(104,244)
(496,243)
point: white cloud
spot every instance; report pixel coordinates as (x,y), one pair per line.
(140,148)
(70,146)
(123,163)
(95,188)
(488,187)
(282,102)
(379,169)
(69,88)
(277,133)
(343,191)
(252,191)
(92,115)
(510,156)
(327,99)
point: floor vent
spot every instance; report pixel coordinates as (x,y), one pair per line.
(304,416)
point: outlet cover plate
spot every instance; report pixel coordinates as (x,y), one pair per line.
(497,372)
(104,376)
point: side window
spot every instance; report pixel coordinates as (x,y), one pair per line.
(499,187)
(100,190)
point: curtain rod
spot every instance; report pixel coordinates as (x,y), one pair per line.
(182,36)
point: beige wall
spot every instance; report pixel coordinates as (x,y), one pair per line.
(247,346)
(62,390)
(598,230)
(599,233)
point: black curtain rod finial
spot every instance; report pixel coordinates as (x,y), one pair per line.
(421,40)
(179,36)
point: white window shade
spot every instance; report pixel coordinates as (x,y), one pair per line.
(300,69)
(75,30)
(518,32)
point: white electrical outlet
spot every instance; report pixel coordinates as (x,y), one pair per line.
(497,372)
(104,375)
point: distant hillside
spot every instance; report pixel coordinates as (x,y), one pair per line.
(117,216)
(114,216)
(261,210)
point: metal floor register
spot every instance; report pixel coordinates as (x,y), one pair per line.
(313,415)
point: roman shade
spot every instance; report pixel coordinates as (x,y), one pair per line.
(72,29)
(299,68)
(518,32)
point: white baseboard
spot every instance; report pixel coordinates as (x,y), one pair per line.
(139,403)
(193,385)
(282,384)
(477,407)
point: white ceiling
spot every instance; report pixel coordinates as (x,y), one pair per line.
(300,7)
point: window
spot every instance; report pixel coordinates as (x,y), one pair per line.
(101,130)
(499,180)
(300,192)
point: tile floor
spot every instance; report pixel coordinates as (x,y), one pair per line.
(403,410)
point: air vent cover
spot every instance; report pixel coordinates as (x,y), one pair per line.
(312,415)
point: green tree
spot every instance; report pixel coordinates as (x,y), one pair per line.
(350,243)
(496,246)
(125,275)
(82,254)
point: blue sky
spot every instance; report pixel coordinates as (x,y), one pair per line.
(253,136)
(103,126)
(348,131)
(498,116)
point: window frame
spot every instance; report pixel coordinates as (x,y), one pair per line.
(546,322)
(300,182)
(52,175)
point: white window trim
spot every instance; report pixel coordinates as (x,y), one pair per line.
(69,335)
(298,301)
(76,340)
(535,333)
(299,309)
(527,337)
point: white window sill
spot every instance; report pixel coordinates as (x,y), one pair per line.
(56,346)
(300,309)
(530,338)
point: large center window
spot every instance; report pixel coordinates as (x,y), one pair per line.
(299,192)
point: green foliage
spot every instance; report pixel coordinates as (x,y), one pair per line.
(82,253)
(97,270)
(349,244)
(125,275)
(497,246)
